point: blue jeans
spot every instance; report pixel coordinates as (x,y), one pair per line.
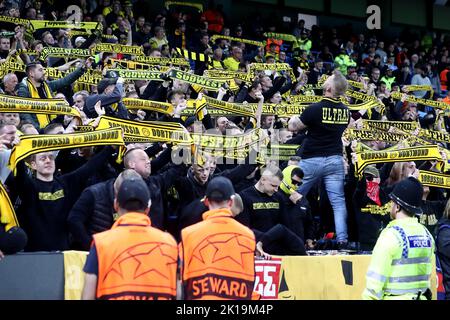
(331,171)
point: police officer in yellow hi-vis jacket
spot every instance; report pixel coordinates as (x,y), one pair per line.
(401,263)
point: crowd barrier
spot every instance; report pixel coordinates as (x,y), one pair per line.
(331,277)
(59,275)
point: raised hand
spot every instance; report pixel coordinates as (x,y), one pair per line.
(99,109)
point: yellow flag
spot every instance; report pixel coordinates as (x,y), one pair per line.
(73,274)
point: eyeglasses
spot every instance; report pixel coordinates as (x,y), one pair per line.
(369,177)
(297,183)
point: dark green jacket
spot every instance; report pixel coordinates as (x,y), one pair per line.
(54,85)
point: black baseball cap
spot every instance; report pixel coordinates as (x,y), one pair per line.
(133,194)
(219,189)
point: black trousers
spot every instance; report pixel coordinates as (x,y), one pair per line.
(280,240)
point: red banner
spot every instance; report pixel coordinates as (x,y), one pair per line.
(439,279)
(267,278)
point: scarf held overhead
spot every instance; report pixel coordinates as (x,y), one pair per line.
(32,144)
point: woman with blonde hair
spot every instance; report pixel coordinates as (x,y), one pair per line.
(400,171)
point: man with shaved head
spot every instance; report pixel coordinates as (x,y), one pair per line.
(265,213)
(158,184)
(322,157)
(94,210)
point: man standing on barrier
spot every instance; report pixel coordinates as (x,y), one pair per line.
(401,263)
(322,158)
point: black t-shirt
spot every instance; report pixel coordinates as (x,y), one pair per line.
(46,204)
(44,217)
(41,92)
(261,211)
(326,121)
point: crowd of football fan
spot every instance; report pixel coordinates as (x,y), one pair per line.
(61,199)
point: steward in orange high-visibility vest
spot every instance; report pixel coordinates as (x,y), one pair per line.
(132,261)
(217,254)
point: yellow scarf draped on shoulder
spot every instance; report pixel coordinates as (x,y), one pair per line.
(7,213)
(43,119)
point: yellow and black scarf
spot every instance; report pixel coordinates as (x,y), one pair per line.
(43,119)
(7,213)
